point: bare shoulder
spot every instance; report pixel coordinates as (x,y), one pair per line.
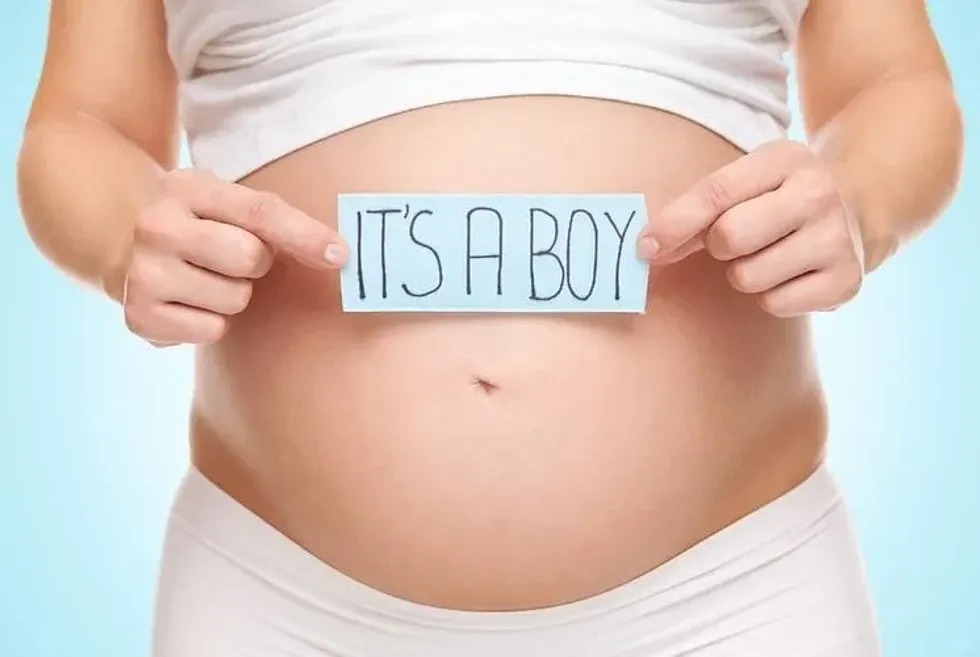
(108,59)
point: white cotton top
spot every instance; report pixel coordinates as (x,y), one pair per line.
(262,78)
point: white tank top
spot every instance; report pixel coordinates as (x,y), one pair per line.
(262,78)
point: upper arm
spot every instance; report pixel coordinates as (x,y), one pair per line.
(108,59)
(846,46)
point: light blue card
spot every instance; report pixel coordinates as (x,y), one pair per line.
(492,253)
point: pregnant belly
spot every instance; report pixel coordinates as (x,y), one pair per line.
(505,460)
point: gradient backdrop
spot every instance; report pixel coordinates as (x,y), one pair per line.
(93,421)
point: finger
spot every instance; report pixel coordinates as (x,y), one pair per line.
(219,247)
(818,291)
(681,253)
(166,324)
(753,225)
(225,249)
(805,250)
(752,175)
(806,195)
(170,280)
(264,214)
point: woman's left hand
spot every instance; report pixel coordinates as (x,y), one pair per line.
(777,216)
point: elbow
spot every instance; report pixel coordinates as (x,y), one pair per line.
(950,144)
(30,176)
(38,200)
(51,194)
(941,143)
(78,184)
(957,143)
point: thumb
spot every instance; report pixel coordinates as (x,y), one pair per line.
(676,254)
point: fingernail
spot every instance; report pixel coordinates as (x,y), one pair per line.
(334,254)
(649,247)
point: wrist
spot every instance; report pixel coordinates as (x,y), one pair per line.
(869,215)
(878,248)
(112,281)
(877,238)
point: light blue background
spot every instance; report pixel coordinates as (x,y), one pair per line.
(93,422)
(563,279)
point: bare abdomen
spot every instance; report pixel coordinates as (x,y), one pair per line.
(505,461)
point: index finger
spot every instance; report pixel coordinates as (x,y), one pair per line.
(694,211)
(264,214)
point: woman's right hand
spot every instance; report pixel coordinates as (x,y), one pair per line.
(198,249)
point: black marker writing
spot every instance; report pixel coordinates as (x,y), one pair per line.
(429,247)
(622,238)
(395,240)
(360,256)
(542,253)
(384,244)
(595,253)
(498,256)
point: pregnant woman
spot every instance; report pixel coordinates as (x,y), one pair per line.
(508,484)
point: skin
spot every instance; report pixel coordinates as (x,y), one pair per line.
(743,247)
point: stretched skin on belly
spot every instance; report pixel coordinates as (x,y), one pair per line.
(473,461)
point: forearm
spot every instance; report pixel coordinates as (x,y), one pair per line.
(81,185)
(896,152)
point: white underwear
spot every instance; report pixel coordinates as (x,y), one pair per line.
(784,581)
